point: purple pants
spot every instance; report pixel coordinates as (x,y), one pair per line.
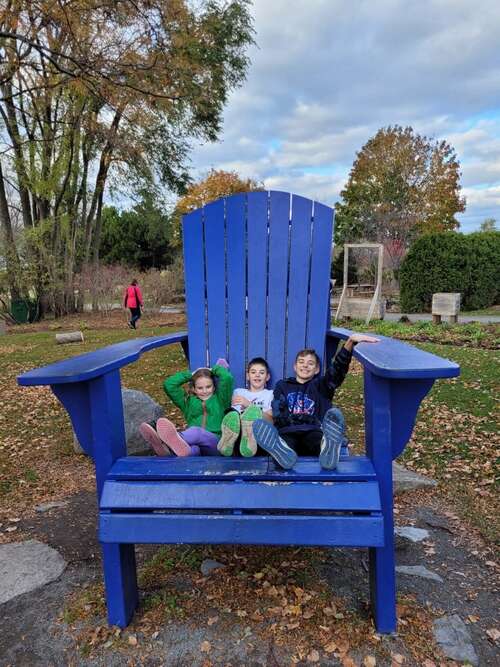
(202,443)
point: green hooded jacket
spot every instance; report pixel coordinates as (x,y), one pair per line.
(207,414)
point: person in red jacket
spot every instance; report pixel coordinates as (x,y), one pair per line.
(132,299)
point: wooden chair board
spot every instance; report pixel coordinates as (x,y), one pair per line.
(257,271)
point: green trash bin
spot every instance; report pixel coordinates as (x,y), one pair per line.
(24,310)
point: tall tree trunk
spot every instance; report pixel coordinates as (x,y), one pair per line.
(12,262)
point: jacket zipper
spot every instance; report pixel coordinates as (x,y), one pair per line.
(204,418)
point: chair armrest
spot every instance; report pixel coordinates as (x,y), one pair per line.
(394,359)
(91,365)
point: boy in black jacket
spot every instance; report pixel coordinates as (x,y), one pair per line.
(305,423)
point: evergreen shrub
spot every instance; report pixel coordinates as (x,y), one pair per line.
(451,262)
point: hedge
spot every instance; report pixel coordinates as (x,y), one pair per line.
(451,262)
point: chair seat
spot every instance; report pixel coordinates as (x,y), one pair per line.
(307,469)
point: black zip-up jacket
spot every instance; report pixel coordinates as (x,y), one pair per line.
(301,406)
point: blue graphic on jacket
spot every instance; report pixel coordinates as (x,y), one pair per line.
(300,404)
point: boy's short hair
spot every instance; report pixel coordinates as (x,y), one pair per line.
(308,352)
(258,361)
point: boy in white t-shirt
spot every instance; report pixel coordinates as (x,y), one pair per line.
(247,405)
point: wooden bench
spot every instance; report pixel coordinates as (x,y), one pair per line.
(257,284)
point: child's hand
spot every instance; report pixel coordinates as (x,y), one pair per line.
(240,400)
(359,338)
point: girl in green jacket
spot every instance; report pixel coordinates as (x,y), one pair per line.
(203,407)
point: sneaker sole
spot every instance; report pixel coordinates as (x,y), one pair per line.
(230,431)
(248,444)
(168,434)
(334,437)
(268,438)
(154,440)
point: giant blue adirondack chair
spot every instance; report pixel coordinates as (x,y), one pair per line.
(257,270)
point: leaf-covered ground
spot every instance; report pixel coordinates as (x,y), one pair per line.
(278,592)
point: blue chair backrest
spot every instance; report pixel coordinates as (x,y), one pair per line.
(257,269)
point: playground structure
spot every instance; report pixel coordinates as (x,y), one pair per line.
(362,301)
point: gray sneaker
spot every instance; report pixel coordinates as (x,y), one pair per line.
(268,438)
(333,439)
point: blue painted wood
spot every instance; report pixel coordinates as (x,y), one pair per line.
(355,531)
(93,364)
(75,399)
(350,469)
(106,424)
(257,235)
(406,396)
(298,284)
(195,287)
(278,308)
(268,495)
(236,280)
(394,359)
(319,290)
(378,448)
(214,230)
(279,215)
(120,580)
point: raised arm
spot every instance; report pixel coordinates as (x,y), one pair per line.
(224,385)
(173,388)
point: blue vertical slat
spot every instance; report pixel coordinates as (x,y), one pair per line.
(279,216)
(216,279)
(319,284)
(194,272)
(298,283)
(257,273)
(236,286)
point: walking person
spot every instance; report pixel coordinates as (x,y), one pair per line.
(132,299)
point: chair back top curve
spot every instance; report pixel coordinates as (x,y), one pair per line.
(257,276)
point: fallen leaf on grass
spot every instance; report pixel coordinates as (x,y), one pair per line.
(132,640)
(330,648)
(313,656)
(397,658)
(212,620)
(369,661)
(205,647)
(493,634)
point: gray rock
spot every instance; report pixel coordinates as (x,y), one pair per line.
(209,565)
(25,566)
(454,639)
(411,533)
(138,407)
(418,571)
(45,507)
(406,480)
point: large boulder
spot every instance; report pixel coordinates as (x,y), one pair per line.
(138,407)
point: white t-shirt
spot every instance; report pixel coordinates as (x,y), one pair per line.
(260,398)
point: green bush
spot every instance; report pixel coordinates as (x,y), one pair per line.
(451,262)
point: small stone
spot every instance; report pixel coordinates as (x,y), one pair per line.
(418,571)
(45,507)
(25,566)
(454,639)
(411,533)
(209,565)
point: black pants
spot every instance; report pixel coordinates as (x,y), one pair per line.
(304,443)
(135,314)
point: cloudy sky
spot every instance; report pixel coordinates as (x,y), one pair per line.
(325,75)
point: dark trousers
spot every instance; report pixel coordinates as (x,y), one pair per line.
(135,314)
(304,443)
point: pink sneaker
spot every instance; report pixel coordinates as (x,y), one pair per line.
(168,433)
(153,439)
